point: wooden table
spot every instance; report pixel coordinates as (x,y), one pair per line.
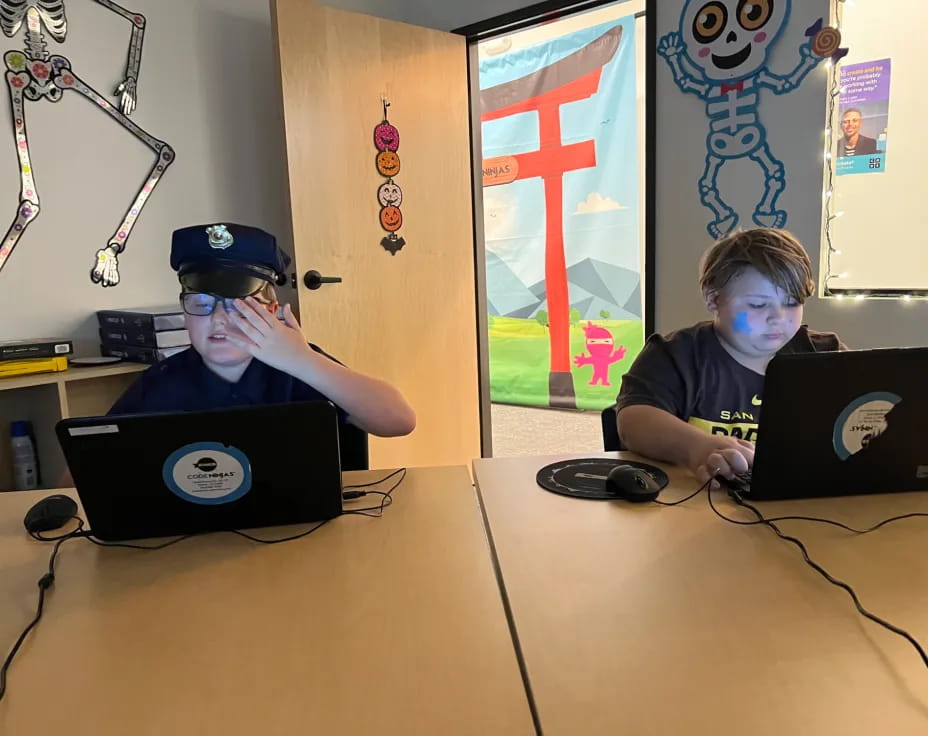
(647,620)
(368,626)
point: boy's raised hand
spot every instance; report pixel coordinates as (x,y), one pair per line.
(279,345)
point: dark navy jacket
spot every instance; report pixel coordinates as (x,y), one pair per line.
(184,383)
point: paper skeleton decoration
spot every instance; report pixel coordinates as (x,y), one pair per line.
(720,54)
(33,74)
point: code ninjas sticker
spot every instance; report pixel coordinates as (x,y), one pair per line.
(207,473)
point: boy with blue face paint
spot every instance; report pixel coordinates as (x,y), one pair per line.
(693,397)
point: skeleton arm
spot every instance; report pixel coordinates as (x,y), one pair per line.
(690,69)
(127,90)
(684,73)
(783,84)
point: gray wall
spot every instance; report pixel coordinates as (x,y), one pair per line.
(795,126)
(208,86)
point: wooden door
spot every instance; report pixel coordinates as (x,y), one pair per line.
(408,318)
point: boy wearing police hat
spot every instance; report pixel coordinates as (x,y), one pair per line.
(240,353)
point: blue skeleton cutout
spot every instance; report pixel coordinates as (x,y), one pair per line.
(720,54)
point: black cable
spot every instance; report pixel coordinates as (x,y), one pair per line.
(735,495)
(284,539)
(45,582)
(387,500)
(375,512)
(351,495)
(820,570)
(67,535)
(378,482)
(817,520)
(101,543)
(684,500)
(88,535)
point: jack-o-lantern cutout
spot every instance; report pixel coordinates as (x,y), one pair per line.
(391,219)
(388,163)
(386,137)
(390,195)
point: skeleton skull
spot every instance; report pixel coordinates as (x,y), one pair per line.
(730,39)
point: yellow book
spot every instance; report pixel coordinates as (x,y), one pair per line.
(32,365)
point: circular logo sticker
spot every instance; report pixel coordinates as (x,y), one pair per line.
(861,421)
(207,473)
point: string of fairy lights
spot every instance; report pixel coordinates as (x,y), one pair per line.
(828,194)
(830,285)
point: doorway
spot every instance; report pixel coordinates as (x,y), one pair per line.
(558,118)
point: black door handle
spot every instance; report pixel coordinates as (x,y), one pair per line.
(313,279)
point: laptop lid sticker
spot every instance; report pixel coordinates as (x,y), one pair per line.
(207,473)
(95,429)
(861,421)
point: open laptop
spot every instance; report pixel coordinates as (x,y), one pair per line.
(165,474)
(842,423)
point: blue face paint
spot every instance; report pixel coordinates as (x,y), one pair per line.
(741,324)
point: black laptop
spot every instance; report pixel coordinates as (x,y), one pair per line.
(165,474)
(842,423)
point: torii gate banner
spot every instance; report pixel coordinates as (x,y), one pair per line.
(561,217)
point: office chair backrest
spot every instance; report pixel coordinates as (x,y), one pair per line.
(611,440)
(353,447)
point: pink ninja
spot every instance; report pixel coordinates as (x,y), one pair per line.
(599,343)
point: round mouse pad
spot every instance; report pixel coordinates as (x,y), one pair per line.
(586,477)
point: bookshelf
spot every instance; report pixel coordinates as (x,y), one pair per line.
(45,398)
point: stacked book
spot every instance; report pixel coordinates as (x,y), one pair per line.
(142,335)
(39,355)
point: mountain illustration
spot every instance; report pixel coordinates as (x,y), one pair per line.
(594,286)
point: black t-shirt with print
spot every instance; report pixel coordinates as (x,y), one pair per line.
(690,375)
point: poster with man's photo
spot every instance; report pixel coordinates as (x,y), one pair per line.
(863,106)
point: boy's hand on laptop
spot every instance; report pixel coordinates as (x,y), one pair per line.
(720,455)
(279,345)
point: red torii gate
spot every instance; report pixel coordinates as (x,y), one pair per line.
(575,77)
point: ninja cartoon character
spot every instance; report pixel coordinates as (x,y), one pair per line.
(599,345)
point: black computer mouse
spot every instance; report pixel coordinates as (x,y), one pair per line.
(632,484)
(52,512)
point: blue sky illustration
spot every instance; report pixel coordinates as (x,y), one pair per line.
(515,213)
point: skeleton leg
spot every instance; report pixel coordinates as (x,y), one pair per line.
(766,214)
(725,217)
(28,208)
(106,270)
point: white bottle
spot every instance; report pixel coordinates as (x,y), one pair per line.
(25,477)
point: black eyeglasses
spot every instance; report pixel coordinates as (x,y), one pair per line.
(200,304)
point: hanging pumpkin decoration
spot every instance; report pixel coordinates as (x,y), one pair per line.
(388,163)
(389,194)
(386,137)
(391,219)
